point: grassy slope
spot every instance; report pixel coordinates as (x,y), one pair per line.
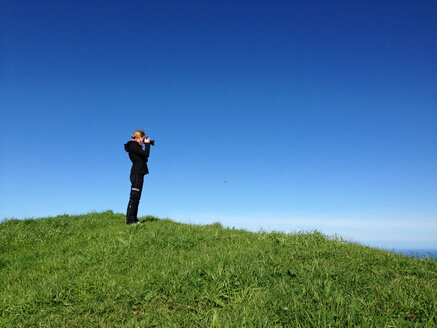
(92,270)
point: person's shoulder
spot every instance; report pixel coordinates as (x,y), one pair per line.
(133,144)
(128,145)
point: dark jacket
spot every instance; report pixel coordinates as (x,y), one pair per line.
(138,156)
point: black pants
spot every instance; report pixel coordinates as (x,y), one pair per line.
(135,195)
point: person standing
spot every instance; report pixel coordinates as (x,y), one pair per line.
(139,158)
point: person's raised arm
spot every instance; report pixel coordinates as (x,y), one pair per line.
(139,151)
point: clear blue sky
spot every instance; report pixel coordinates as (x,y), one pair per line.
(281,115)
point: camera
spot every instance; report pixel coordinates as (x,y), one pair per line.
(152,142)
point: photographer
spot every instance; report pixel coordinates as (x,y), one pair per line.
(139,158)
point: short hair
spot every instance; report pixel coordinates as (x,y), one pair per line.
(138,134)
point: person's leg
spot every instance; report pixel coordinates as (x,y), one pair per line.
(134,200)
(139,180)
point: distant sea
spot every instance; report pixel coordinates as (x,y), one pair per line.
(417,253)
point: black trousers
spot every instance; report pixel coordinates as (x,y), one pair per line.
(134,199)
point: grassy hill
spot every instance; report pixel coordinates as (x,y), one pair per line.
(93,270)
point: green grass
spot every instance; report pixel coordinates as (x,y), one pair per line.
(93,270)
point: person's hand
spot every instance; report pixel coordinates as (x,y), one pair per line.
(146,140)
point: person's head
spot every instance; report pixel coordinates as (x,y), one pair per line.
(138,134)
